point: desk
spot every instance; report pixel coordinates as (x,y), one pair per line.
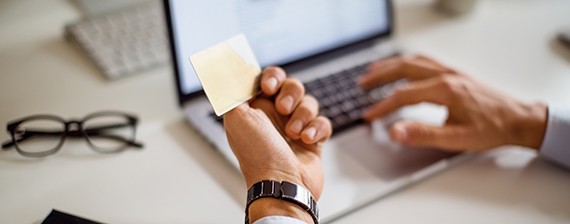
(179,178)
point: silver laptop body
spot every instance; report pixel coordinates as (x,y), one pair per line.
(361,163)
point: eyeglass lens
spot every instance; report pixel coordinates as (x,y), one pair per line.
(109,133)
(39,135)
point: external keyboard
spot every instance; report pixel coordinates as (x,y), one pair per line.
(124,42)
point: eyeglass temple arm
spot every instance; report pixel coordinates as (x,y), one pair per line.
(7,145)
(103,127)
(119,138)
(99,132)
(95,131)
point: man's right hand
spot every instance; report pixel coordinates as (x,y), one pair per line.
(479,117)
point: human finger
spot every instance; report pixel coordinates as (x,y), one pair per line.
(432,63)
(402,68)
(430,90)
(449,137)
(237,112)
(271,80)
(236,121)
(379,72)
(317,131)
(290,95)
(307,110)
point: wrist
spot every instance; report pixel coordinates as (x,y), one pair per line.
(254,177)
(264,207)
(529,125)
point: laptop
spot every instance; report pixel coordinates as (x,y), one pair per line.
(326,45)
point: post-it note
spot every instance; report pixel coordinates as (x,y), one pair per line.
(228,72)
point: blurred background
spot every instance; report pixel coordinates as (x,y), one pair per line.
(52,60)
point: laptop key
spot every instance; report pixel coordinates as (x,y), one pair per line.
(355,114)
(348,106)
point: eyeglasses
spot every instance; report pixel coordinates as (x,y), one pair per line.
(43,135)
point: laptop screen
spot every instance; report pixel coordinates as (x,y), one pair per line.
(279,31)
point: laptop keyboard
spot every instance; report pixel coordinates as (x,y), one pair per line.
(341,99)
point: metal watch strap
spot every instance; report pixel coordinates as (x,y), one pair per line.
(283,190)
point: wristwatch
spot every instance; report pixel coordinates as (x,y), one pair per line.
(282,190)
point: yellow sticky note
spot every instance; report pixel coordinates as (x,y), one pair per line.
(228,73)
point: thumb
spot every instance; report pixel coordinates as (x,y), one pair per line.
(237,112)
(418,134)
(239,118)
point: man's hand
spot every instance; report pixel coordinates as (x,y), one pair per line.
(278,136)
(479,117)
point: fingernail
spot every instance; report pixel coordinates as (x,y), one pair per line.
(311,132)
(400,134)
(271,83)
(296,127)
(287,103)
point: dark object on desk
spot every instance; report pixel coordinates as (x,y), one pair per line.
(564,37)
(43,135)
(57,217)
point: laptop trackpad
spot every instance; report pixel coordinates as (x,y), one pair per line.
(386,160)
(371,146)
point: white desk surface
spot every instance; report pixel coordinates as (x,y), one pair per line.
(179,178)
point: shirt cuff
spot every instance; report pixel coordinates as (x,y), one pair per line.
(278,220)
(556,143)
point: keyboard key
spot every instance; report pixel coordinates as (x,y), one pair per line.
(355,114)
(363,102)
(348,106)
(340,120)
(333,112)
(326,101)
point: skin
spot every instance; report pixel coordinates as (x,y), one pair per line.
(278,136)
(479,118)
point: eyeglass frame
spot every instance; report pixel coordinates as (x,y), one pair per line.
(80,131)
